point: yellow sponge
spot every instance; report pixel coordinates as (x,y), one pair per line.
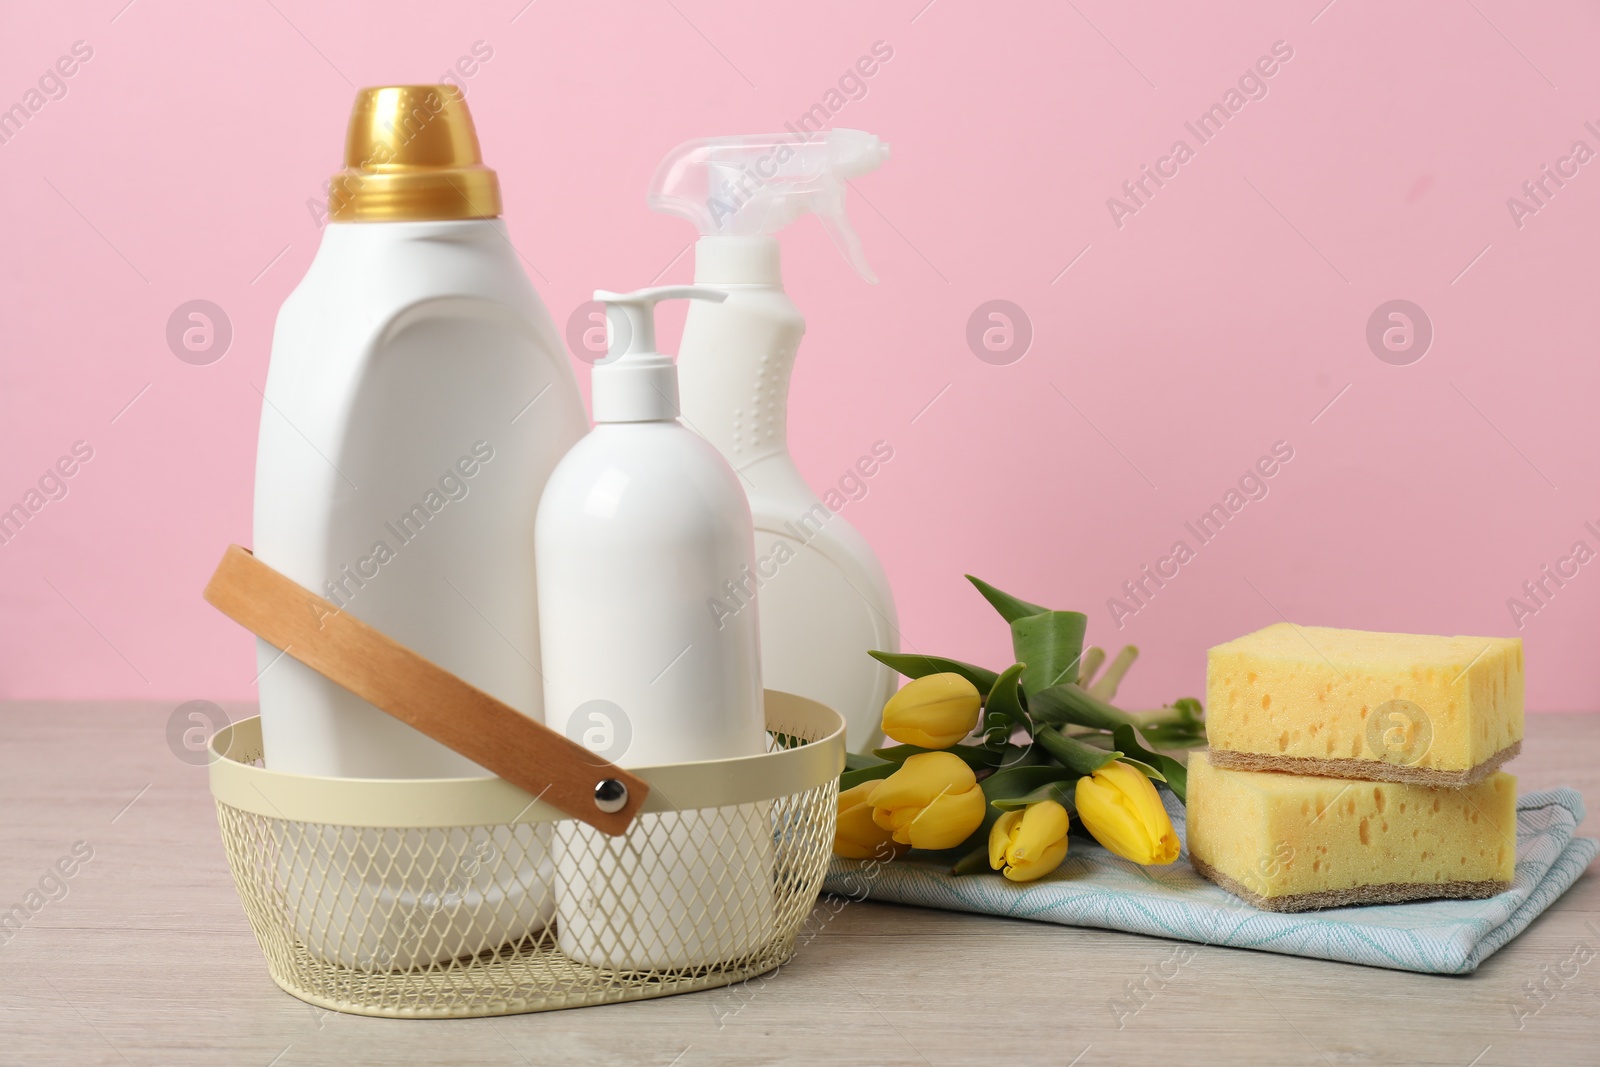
(1291,842)
(1353,704)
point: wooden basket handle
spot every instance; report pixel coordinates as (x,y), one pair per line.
(422,694)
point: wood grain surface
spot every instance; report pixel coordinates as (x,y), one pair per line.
(147,960)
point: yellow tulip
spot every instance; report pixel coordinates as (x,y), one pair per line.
(1030,842)
(856,836)
(934,711)
(932,801)
(1119,806)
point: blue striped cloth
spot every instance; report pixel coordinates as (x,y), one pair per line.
(1093,887)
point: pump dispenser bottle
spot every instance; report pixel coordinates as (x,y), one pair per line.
(640,526)
(417,399)
(824,598)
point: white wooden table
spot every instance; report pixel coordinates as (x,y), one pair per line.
(147,960)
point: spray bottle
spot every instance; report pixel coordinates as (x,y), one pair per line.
(823,597)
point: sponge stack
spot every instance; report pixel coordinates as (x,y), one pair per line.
(1357,768)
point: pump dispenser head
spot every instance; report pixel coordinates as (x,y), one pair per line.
(755,185)
(635,383)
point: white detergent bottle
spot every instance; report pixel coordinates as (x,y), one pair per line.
(825,600)
(417,399)
(639,528)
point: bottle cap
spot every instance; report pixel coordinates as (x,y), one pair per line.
(412,154)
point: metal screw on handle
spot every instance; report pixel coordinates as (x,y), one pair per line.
(610,796)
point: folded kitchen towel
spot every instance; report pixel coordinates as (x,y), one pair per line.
(1093,887)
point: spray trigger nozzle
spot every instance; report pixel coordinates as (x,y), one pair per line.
(755,185)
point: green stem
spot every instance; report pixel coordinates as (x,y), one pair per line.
(1106,687)
(1185,713)
(1071,703)
(974,862)
(1158,717)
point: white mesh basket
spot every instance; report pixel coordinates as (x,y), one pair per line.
(465,897)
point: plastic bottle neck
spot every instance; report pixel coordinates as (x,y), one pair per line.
(738,261)
(635,389)
(736,359)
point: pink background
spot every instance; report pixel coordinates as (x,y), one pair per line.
(1225,315)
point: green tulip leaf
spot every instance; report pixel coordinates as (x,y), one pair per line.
(1146,769)
(1020,781)
(1003,711)
(1051,644)
(996,734)
(1175,774)
(851,779)
(1005,698)
(1029,755)
(1010,608)
(1071,703)
(854,761)
(1073,754)
(1059,792)
(974,756)
(917,666)
(997,731)
(1165,736)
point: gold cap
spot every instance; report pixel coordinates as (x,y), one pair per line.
(412,154)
